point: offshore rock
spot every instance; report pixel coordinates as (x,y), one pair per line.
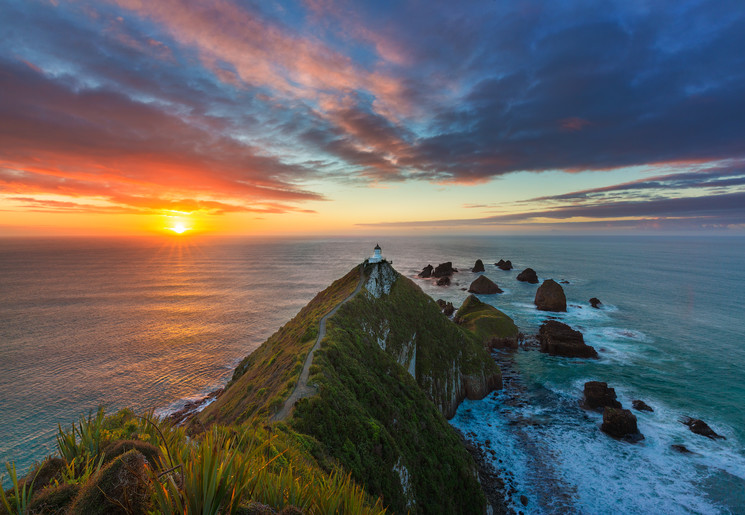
(426,272)
(641,406)
(443,281)
(444,269)
(484,286)
(449,309)
(700,427)
(559,339)
(598,396)
(504,265)
(595,302)
(478,266)
(528,276)
(620,423)
(550,297)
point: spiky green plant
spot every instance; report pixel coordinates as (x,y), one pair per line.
(18,503)
(84,439)
(80,469)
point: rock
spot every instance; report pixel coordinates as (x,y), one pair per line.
(701,428)
(528,276)
(443,281)
(559,339)
(598,396)
(478,267)
(504,265)
(641,406)
(483,285)
(620,423)
(441,303)
(550,296)
(444,269)
(426,272)
(449,309)
(595,302)
(682,449)
(524,500)
(564,281)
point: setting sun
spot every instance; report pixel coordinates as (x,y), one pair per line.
(179,228)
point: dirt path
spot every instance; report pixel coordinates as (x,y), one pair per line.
(302,389)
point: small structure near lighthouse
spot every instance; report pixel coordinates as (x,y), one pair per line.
(376,257)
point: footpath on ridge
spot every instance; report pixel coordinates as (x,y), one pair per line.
(302,389)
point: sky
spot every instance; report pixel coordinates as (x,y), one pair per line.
(381,117)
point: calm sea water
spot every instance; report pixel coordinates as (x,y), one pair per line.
(150,325)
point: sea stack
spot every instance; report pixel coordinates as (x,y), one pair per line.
(550,296)
(484,286)
(478,266)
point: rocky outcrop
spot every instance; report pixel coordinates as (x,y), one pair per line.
(641,406)
(559,339)
(449,309)
(504,265)
(381,278)
(550,297)
(528,276)
(484,286)
(620,423)
(682,449)
(478,386)
(493,328)
(441,303)
(595,302)
(599,396)
(426,272)
(478,266)
(443,281)
(700,427)
(444,270)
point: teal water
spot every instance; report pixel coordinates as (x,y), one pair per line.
(151,325)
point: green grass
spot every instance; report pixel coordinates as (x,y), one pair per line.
(485,321)
(267,376)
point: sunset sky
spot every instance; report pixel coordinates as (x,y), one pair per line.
(342,117)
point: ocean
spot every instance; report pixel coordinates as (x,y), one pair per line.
(155,323)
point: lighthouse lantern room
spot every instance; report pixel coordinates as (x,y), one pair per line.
(376,257)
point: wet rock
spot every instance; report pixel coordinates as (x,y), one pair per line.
(559,339)
(641,406)
(441,303)
(701,428)
(528,276)
(504,265)
(598,396)
(564,281)
(426,271)
(682,449)
(443,281)
(595,302)
(524,500)
(449,309)
(478,266)
(550,297)
(620,423)
(483,285)
(444,270)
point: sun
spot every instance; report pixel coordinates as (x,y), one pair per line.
(178,228)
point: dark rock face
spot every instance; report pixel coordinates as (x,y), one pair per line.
(483,285)
(444,270)
(620,423)
(595,302)
(441,303)
(641,406)
(528,276)
(701,428)
(478,266)
(559,339)
(426,271)
(504,265)
(449,309)
(550,296)
(598,396)
(443,281)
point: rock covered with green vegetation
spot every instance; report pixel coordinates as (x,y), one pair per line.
(492,327)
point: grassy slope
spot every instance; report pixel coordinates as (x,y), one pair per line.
(371,416)
(485,321)
(267,376)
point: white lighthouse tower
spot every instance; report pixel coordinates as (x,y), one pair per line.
(376,257)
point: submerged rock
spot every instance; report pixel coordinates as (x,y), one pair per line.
(444,269)
(620,423)
(478,266)
(559,339)
(483,285)
(528,276)
(426,272)
(700,427)
(443,281)
(550,297)
(598,395)
(595,302)
(682,449)
(641,406)
(504,265)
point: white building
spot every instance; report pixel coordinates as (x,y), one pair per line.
(376,257)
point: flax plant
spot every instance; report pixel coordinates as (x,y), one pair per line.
(18,503)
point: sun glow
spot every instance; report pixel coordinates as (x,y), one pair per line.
(179,228)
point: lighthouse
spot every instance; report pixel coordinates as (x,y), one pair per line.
(376,257)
